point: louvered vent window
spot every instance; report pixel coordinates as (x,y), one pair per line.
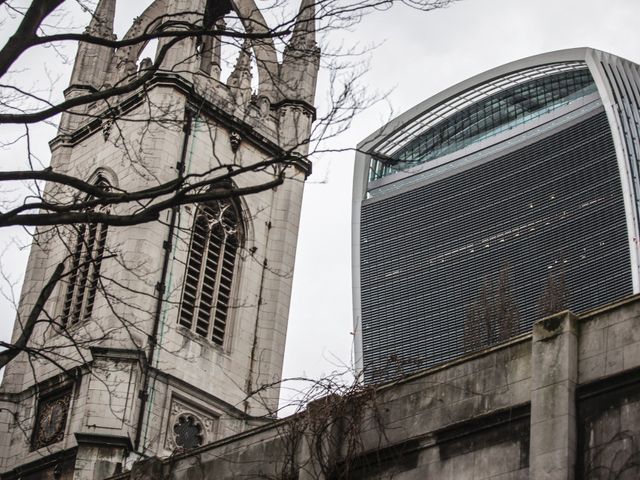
(209,273)
(84,268)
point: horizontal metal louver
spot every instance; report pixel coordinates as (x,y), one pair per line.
(553,205)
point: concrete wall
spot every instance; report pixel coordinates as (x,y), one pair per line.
(560,403)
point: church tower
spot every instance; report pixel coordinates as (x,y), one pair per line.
(164,334)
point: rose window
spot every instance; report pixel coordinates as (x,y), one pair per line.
(188,432)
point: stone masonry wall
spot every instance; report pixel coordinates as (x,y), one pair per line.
(560,403)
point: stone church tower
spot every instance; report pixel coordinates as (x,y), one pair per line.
(168,334)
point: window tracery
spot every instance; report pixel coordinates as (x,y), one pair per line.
(189,426)
(86,260)
(188,432)
(213,249)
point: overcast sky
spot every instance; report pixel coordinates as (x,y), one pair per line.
(418,55)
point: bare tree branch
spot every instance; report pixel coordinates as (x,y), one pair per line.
(26,32)
(12,350)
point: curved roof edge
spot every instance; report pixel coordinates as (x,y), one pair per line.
(567,55)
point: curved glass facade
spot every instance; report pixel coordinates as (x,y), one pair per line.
(489,116)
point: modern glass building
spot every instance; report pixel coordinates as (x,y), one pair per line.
(514,191)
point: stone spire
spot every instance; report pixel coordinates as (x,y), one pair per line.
(301,61)
(102,21)
(239,81)
(304,31)
(91,67)
(92,61)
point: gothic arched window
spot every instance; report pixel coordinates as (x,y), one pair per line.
(84,269)
(209,274)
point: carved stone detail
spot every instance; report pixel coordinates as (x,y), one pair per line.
(235,139)
(107,124)
(182,413)
(51,420)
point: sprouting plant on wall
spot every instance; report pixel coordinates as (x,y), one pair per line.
(493,317)
(617,459)
(324,441)
(554,296)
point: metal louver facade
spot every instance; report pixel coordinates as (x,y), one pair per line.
(484,182)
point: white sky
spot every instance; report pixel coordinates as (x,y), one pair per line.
(418,55)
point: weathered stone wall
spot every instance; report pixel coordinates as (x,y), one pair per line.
(608,396)
(560,403)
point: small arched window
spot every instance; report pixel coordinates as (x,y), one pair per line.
(84,269)
(213,250)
